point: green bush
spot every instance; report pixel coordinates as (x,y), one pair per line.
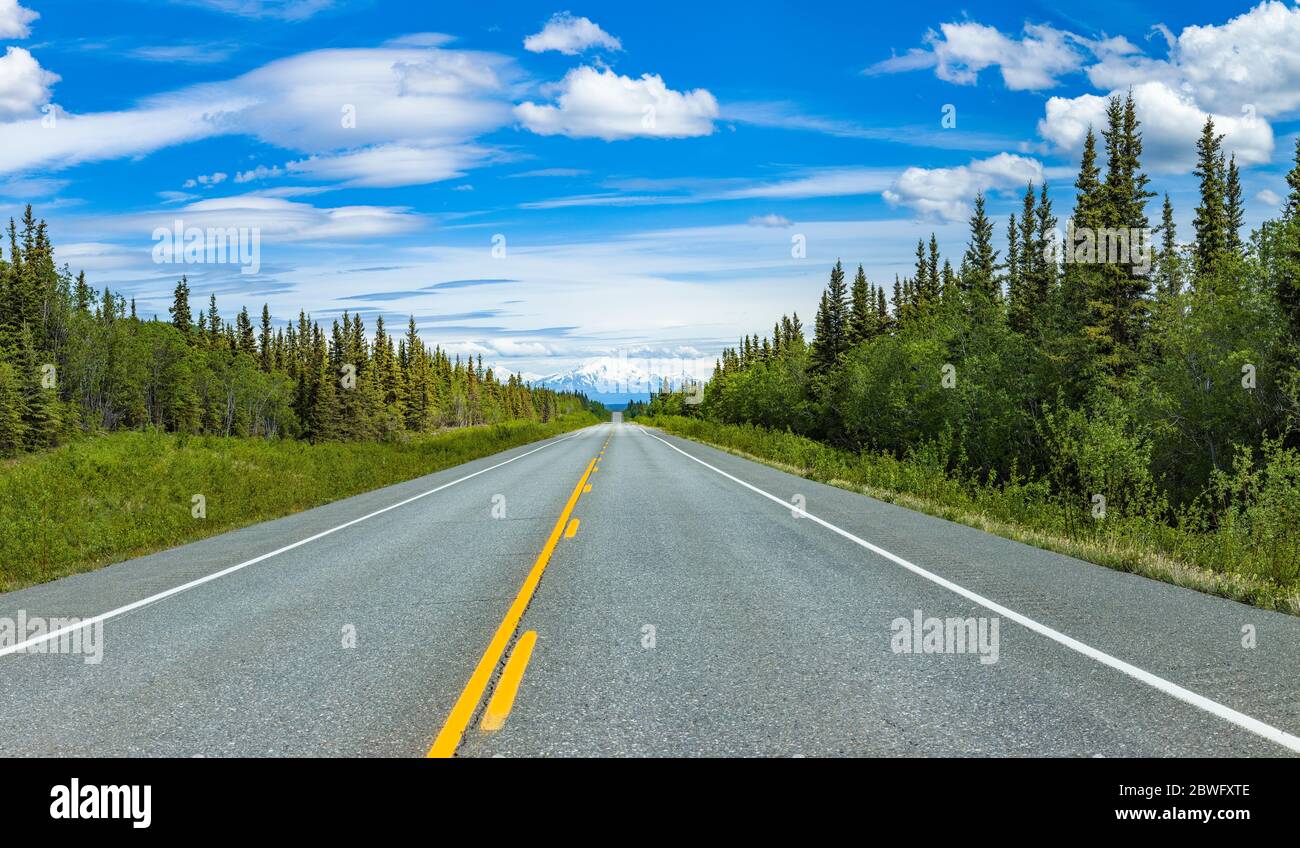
(107,498)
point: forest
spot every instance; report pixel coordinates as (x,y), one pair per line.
(77,361)
(1091,390)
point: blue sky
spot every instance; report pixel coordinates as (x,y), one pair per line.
(640,172)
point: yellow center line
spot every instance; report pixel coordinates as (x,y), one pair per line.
(461,714)
(503,697)
(571,530)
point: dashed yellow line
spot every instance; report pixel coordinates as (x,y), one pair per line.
(571,530)
(454,727)
(503,697)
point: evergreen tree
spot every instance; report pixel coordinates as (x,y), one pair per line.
(862,314)
(247,341)
(1211,221)
(832,339)
(979,266)
(933,285)
(12,431)
(1045,271)
(265,342)
(1236,208)
(1169,281)
(1117,300)
(39,404)
(180,308)
(1017,297)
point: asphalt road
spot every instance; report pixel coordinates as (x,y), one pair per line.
(682,605)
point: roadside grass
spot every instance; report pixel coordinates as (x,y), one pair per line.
(1215,562)
(109,498)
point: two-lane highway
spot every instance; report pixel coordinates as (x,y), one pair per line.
(622,592)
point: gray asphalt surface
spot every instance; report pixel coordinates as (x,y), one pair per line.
(688,616)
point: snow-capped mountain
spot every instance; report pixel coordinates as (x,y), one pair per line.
(616,380)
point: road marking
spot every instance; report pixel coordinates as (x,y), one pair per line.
(454,728)
(176,590)
(571,530)
(503,698)
(1254,725)
(586,488)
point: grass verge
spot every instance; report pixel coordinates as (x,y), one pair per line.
(1022,513)
(109,498)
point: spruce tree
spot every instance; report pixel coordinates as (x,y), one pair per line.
(832,338)
(1211,222)
(1117,300)
(1236,208)
(1292,208)
(934,282)
(39,404)
(1168,263)
(979,275)
(265,342)
(862,314)
(12,431)
(1046,271)
(1017,307)
(180,308)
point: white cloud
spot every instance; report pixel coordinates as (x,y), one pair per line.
(823,182)
(261,172)
(959,51)
(570,36)
(1249,60)
(769,220)
(318,103)
(913,60)
(595,103)
(392,165)
(347,98)
(278,220)
(24,84)
(553,172)
(207,180)
(286,10)
(830,182)
(1271,198)
(1171,122)
(945,193)
(791,116)
(31,187)
(191,54)
(15,21)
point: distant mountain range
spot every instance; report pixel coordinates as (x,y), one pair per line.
(610,380)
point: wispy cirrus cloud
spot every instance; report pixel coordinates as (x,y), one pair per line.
(353,109)
(285,10)
(190,54)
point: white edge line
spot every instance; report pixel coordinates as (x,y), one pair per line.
(176,590)
(1254,725)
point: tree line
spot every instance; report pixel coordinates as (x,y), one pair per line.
(1168,383)
(74,360)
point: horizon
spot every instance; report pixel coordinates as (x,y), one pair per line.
(527,195)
